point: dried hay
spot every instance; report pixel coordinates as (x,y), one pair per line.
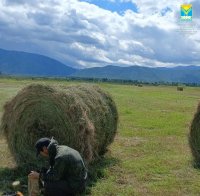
(83,117)
(179,88)
(194,137)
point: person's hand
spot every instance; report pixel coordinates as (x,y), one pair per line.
(34,175)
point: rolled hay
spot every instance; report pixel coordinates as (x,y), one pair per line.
(83,117)
(179,88)
(194,137)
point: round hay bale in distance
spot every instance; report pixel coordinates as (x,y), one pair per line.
(194,137)
(83,117)
(179,88)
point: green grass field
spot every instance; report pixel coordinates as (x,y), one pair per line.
(150,154)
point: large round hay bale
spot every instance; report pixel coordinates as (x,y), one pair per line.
(194,137)
(83,117)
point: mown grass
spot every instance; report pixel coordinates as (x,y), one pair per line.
(150,154)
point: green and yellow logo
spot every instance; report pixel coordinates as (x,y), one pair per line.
(186,12)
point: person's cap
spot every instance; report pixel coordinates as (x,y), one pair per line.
(41,143)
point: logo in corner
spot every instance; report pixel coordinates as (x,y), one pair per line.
(186,12)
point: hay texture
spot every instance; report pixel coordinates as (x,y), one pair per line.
(83,117)
(194,137)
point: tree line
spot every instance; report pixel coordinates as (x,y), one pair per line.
(99,80)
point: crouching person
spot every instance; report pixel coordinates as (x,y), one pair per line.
(67,173)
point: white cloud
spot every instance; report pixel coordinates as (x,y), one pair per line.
(82,34)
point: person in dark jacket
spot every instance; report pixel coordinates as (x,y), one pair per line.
(67,173)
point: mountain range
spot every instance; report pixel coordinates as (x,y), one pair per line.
(188,74)
(28,64)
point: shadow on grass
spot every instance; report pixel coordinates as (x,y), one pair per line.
(96,171)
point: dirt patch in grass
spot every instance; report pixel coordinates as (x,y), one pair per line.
(129,141)
(126,179)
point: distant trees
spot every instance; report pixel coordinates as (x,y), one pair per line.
(107,80)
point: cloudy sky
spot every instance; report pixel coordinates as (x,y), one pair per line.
(88,33)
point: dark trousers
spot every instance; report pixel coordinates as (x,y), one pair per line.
(60,188)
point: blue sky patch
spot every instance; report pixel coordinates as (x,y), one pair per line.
(116,6)
(165,10)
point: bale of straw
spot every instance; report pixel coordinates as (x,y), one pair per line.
(83,117)
(194,137)
(179,88)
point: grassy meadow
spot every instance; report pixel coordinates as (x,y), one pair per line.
(150,154)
